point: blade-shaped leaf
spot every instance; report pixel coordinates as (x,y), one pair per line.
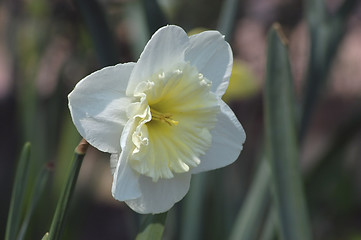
(326,32)
(46,236)
(100,33)
(18,195)
(270,225)
(152,227)
(227,18)
(193,208)
(281,140)
(249,220)
(154,15)
(37,192)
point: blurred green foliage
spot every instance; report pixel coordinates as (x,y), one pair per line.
(62,41)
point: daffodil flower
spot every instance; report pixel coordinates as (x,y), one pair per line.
(162,118)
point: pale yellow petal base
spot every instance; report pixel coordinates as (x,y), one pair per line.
(174,124)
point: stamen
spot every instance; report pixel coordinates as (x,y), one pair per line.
(163,117)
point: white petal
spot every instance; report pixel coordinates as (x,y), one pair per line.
(227,139)
(98,106)
(125,180)
(212,56)
(165,49)
(160,196)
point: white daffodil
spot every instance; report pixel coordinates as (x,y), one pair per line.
(162,118)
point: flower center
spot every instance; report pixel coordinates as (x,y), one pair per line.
(163,117)
(173,124)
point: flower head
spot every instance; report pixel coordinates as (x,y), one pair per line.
(162,118)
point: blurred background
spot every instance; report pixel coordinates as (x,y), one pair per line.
(46,47)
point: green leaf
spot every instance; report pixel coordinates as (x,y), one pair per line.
(46,236)
(269,228)
(346,7)
(152,227)
(250,217)
(37,192)
(227,18)
(193,208)
(100,33)
(134,13)
(154,15)
(326,33)
(17,201)
(281,140)
(65,197)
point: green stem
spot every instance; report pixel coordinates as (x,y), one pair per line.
(65,197)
